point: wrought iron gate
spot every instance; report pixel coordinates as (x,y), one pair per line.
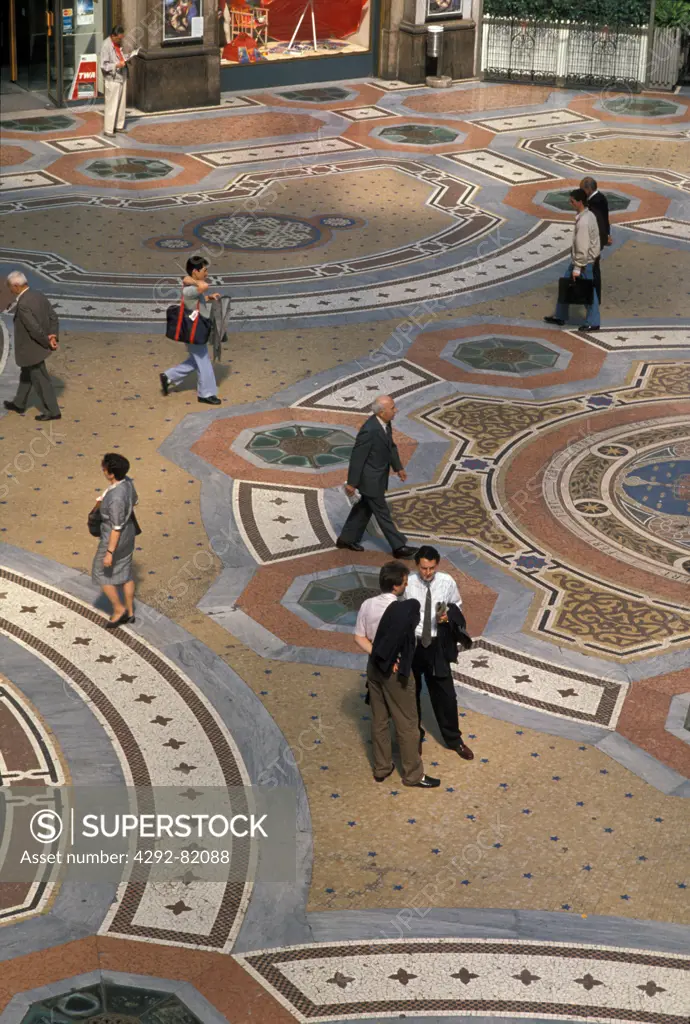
(564,53)
(523,51)
(605,56)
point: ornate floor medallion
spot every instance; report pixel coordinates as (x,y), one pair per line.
(29,758)
(246,232)
(628,492)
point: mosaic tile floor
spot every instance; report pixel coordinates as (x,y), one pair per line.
(374,240)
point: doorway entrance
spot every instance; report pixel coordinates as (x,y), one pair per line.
(42,42)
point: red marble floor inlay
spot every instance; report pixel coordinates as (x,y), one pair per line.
(585,363)
(364,132)
(215,447)
(465,101)
(70,169)
(643,718)
(13,156)
(262,596)
(523,197)
(227,128)
(588,105)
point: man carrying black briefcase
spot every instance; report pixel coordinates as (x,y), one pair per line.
(578,284)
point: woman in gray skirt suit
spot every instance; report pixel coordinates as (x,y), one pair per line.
(112,565)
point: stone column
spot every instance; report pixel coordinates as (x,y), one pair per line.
(412,43)
(171,75)
(458,44)
(391,16)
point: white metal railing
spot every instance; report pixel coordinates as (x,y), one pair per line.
(667,58)
(566,52)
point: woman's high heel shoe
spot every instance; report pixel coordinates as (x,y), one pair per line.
(122,621)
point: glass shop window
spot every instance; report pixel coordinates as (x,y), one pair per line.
(82,35)
(269,30)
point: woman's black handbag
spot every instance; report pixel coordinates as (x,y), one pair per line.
(575,291)
(189,327)
(95,520)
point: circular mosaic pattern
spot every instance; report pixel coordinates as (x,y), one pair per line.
(174,243)
(506,355)
(418,134)
(654,490)
(128,168)
(319,94)
(54,123)
(561,201)
(628,491)
(644,106)
(303,447)
(246,233)
(337,599)
(333,221)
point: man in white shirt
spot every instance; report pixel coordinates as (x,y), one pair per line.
(114,70)
(391,694)
(431,588)
(584,252)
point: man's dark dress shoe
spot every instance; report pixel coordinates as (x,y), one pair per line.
(350,547)
(554,320)
(405,552)
(384,777)
(586,329)
(45,416)
(165,384)
(426,782)
(465,753)
(14,408)
(211,400)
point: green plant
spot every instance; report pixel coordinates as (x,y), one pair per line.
(598,12)
(672,14)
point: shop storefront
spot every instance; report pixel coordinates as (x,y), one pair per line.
(274,42)
(46,44)
(189,51)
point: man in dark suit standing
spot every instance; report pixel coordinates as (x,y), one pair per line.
(35,337)
(599,205)
(373,456)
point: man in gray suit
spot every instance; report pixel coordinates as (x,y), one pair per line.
(35,337)
(373,456)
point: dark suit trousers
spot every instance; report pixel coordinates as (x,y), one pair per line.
(441,693)
(361,513)
(596,277)
(37,377)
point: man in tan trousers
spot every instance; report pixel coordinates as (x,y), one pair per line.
(385,631)
(114,69)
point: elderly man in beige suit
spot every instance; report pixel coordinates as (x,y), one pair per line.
(114,69)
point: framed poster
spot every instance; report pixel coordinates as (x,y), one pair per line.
(85,12)
(182,19)
(443,8)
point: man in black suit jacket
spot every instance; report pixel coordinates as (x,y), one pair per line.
(35,338)
(599,205)
(373,456)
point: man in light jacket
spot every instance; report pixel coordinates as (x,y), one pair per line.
(599,206)
(583,254)
(35,338)
(114,69)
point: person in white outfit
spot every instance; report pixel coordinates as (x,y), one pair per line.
(114,69)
